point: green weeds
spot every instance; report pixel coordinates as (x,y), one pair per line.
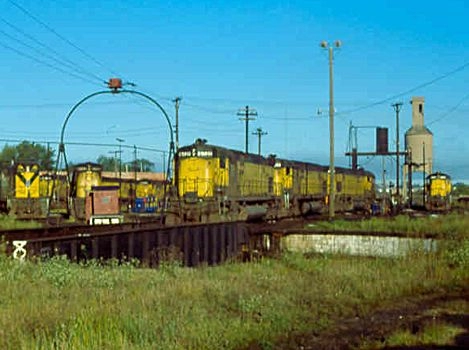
(450,226)
(9,222)
(56,304)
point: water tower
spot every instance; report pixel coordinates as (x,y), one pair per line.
(419,139)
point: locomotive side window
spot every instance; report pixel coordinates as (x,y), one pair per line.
(222,163)
(338,186)
(288,170)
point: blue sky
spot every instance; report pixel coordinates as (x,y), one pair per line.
(220,56)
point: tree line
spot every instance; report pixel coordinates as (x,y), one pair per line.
(34,153)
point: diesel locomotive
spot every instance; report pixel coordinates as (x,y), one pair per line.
(219,184)
(32,193)
(210,184)
(28,190)
(438,192)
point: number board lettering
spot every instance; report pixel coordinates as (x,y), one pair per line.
(196,153)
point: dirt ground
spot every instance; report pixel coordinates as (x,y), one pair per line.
(411,314)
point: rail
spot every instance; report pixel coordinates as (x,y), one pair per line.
(191,245)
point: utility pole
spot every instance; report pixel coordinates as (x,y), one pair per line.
(120,168)
(115,153)
(423,173)
(397,107)
(177,101)
(383,200)
(247,113)
(259,132)
(330,49)
(134,192)
(409,164)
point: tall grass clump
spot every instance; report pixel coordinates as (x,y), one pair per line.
(440,226)
(9,222)
(56,304)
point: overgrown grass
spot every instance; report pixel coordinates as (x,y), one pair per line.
(9,222)
(59,305)
(441,226)
(439,326)
(435,334)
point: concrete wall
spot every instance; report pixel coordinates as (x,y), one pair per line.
(357,245)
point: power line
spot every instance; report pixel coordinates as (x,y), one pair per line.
(451,110)
(63,104)
(388,99)
(210,109)
(76,70)
(267,116)
(61,59)
(53,31)
(238,101)
(127,132)
(18,52)
(143,148)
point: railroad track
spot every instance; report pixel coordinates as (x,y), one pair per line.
(192,244)
(147,241)
(71,230)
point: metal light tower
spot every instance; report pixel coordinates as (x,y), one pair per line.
(330,49)
(177,102)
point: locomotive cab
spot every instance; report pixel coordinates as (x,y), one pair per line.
(438,192)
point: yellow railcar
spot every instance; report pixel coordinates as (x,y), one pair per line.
(148,196)
(84,177)
(216,183)
(138,192)
(354,189)
(438,197)
(202,175)
(27,181)
(145,189)
(27,200)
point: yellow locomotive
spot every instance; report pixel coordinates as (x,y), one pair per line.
(216,184)
(35,194)
(137,192)
(84,177)
(30,191)
(27,200)
(438,192)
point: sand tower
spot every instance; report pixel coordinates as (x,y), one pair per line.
(419,139)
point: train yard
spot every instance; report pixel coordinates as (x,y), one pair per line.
(193,244)
(147,225)
(215,204)
(221,204)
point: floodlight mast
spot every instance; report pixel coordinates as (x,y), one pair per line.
(330,48)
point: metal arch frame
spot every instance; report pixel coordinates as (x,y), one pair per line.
(75,107)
